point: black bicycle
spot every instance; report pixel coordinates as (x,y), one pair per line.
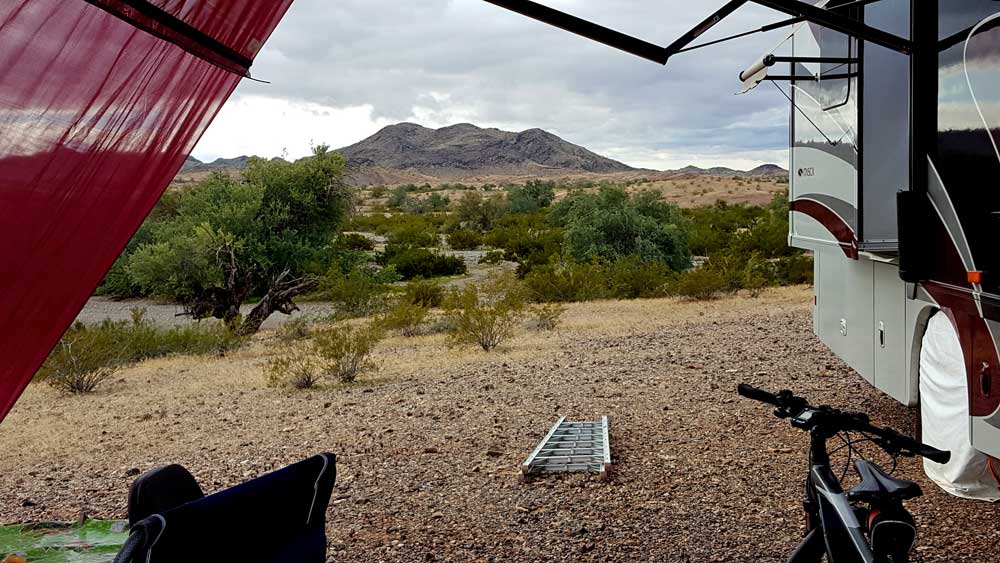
(869,523)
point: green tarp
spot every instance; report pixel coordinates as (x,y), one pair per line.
(93,541)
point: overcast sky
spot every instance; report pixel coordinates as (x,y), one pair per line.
(341,70)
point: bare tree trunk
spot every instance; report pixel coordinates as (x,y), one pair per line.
(278,298)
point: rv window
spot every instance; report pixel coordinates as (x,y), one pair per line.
(967,158)
(826,106)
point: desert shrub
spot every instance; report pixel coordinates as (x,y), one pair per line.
(794,270)
(297,369)
(611,224)
(360,292)
(478,213)
(528,239)
(345,352)
(531,197)
(425,293)
(399,198)
(700,284)
(632,277)
(378,192)
(547,315)
(88,355)
(757,275)
(416,236)
(486,314)
(411,263)
(464,239)
(437,202)
(404,317)
(355,241)
(295,328)
(566,281)
(493,257)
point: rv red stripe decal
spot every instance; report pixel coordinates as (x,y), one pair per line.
(832,222)
(982,360)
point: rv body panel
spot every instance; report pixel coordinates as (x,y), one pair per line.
(845,308)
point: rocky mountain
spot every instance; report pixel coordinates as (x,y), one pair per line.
(762,170)
(410,153)
(463,150)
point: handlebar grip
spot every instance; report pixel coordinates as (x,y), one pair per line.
(751,392)
(933,454)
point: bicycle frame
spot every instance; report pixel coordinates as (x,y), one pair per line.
(834,528)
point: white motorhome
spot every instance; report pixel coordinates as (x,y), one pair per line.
(893,169)
(895,122)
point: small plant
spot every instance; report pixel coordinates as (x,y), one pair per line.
(297,370)
(73,368)
(464,239)
(425,293)
(699,284)
(488,314)
(547,315)
(86,356)
(492,257)
(345,352)
(296,328)
(406,317)
(355,241)
(419,262)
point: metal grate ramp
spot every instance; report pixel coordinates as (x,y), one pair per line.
(572,447)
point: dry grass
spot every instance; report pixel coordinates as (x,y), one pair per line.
(55,427)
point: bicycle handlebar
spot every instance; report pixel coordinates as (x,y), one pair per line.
(890,440)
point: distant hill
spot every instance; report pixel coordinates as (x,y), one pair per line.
(762,170)
(410,153)
(463,150)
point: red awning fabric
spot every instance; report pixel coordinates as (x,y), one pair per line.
(100,103)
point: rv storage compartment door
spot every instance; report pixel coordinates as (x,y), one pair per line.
(844,308)
(891,375)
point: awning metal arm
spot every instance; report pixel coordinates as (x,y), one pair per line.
(764,29)
(798,9)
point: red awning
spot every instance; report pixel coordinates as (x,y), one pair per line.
(100,103)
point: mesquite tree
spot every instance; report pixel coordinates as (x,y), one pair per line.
(224,240)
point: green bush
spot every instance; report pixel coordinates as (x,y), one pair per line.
(478,213)
(547,315)
(295,328)
(488,314)
(360,292)
(355,241)
(611,224)
(416,236)
(794,270)
(297,370)
(87,355)
(405,317)
(345,351)
(493,257)
(425,293)
(411,263)
(531,197)
(464,239)
(632,278)
(699,284)
(567,281)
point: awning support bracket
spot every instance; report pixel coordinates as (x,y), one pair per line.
(799,10)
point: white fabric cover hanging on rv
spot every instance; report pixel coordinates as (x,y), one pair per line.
(944,413)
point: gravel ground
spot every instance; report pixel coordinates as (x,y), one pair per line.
(428,449)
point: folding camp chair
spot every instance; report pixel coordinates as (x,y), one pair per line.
(276,518)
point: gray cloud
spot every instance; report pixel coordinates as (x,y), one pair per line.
(444,60)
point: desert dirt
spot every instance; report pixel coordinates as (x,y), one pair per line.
(429,445)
